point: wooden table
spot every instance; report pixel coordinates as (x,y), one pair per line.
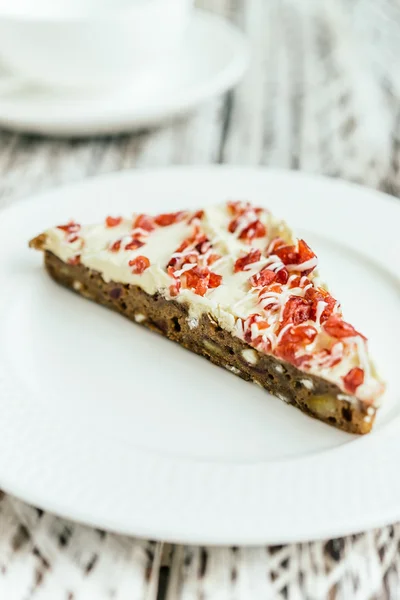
(311,101)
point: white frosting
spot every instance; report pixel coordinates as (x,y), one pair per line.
(232,303)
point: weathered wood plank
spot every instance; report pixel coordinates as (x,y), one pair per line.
(47,558)
(363,566)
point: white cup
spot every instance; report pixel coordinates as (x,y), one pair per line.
(88,43)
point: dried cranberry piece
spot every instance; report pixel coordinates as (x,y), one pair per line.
(336,327)
(263,278)
(300,281)
(305,252)
(254,230)
(214,280)
(289,255)
(212,258)
(296,281)
(116,246)
(233,225)
(353,379)
(302,361)
(286,352)
(282,276)
(185,244)
(196,280)
(144,222)
(70,227)
(248,336)
(71,230)
(200,242)
(139,264)
(251,257)
(197,215)
(297,310)
(293,339)
(166,219)
(274,245)
(237,207)
(134,244)
(75,260)
(200,280)
(315,295)
(174,288)
(113,221)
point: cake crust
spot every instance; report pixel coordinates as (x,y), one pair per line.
(313,395)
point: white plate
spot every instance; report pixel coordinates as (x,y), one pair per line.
(213,58)
(109,424)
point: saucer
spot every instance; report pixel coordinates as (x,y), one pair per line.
(213,58)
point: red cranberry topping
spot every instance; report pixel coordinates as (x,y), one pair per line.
(144,222)
(290,255)
(336,327)
(166,219)
(75,260)
(353,379)
(134,244)
(252,257)
(113,221)
(139,264)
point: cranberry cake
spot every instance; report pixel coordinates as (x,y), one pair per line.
(232,284)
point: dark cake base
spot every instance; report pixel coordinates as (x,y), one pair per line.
(310,393)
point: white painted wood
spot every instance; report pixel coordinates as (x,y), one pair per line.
(47,558)
(361,567)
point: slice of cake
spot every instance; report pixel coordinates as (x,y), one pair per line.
(231,283)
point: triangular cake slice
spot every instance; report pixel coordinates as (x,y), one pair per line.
(231,283)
